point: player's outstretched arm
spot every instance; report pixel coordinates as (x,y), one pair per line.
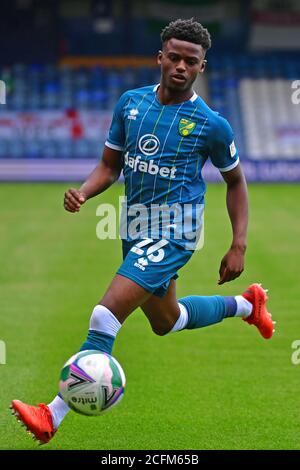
(104,175)
(232,264)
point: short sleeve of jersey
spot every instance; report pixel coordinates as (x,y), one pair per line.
(116,135)
(221,146)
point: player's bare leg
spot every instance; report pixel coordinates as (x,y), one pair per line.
(162,313)
(123,296)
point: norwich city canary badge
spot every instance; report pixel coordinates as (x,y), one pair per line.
(186,127)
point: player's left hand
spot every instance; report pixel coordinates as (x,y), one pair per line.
(232,265)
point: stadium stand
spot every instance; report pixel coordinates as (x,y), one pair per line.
(53,111)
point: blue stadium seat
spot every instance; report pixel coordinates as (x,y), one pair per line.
(232,81)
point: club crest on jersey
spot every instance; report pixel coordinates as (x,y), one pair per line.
(186,127)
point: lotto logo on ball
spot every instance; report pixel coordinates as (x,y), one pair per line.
(92,382)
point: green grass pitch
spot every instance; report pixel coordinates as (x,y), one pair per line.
(221,387)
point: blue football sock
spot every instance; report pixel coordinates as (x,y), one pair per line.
(104,327)
(99,341)
(204,310)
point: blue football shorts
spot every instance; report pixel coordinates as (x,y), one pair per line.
(153,263)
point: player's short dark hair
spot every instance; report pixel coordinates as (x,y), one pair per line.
(187,30)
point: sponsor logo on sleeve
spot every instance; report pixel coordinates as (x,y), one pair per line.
(232,149)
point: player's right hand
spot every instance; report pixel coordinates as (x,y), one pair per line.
(73,200)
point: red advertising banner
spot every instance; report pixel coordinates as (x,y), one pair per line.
(55,125)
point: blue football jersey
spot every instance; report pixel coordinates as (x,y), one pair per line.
(164,149)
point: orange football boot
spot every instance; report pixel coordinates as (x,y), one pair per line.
(260,317)
(37,420)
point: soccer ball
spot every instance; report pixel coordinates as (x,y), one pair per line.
(92,382)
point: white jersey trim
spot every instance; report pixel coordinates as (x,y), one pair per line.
(194,97)
(113,146)
(230,167)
